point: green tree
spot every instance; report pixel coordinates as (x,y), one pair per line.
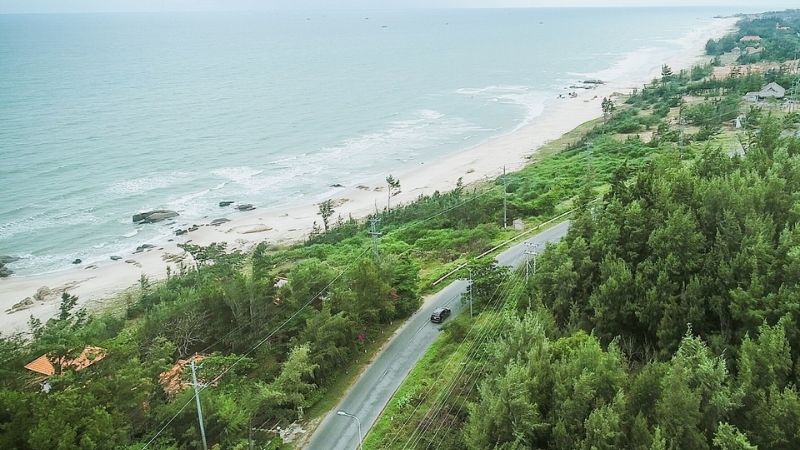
(506,414)
(392,188)
(287,395)
(326,211)
(608,108)
(728,437)
(666,74)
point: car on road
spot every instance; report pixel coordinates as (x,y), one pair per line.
(439,314)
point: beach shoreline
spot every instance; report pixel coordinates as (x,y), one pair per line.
(104,280)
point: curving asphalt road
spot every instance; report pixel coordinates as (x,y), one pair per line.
(375,387)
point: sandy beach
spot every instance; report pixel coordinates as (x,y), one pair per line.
(101,281)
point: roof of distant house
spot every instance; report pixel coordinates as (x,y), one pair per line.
(172,379)
(774,88)
(41,365)
(47,366)
(750,38)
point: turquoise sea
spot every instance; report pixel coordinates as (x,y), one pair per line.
(104,115)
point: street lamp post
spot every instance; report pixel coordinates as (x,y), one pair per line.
(360,442)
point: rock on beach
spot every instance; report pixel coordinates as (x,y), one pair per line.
(156,215)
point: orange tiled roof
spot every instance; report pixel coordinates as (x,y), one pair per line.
(88,356)
(45,366)
(41,365)
(171,379)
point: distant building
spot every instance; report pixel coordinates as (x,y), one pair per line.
(753,50)
(772,90)
(750,39)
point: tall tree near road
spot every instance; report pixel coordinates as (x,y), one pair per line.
(393,185)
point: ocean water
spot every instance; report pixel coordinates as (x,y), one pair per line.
(105,115)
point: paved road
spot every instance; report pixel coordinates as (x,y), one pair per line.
(373,390)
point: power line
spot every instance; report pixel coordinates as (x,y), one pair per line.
(495,299)
(227,370)
(254,348)
(451,359)
(445,393)
(473,377)
(409,225)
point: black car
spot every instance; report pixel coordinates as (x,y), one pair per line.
(439,314)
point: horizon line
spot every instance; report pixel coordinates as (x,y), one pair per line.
(410,8)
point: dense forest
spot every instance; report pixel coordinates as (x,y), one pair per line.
(666,319)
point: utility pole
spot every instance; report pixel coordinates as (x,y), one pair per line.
(530,251)
(470,293)
(505,199)
(196,387)
(373,231)
(250,433)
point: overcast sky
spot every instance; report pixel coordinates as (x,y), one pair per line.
(15,6)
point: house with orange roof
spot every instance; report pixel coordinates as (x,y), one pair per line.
(46,365)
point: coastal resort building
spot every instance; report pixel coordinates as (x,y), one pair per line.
(770,91)
(48,366)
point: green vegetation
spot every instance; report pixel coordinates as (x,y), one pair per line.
(778,32)
(668,317)
(595,350)
(274,355)
(685,279)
